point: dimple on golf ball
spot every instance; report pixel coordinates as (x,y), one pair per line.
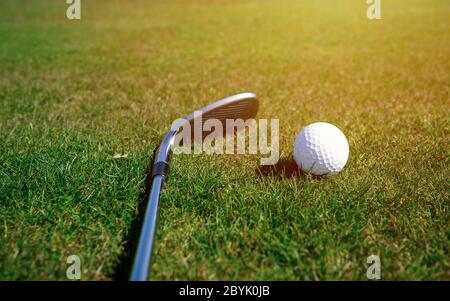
(321,149)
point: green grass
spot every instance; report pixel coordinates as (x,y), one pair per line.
(74,93)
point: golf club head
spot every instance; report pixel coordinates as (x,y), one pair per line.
(240,106)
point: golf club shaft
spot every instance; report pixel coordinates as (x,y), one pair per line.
(144,251)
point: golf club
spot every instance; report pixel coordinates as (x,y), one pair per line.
(241,106)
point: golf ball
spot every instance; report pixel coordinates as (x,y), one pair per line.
(321,149)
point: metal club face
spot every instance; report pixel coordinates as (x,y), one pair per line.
(240,106)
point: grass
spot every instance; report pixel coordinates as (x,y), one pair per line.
(74,93)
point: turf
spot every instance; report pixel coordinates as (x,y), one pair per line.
(75,93)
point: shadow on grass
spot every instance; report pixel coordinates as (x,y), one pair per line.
(284,169)
(122,270)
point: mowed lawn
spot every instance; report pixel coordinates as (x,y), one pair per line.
(75,93)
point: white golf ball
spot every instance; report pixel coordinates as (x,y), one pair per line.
(321,149)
